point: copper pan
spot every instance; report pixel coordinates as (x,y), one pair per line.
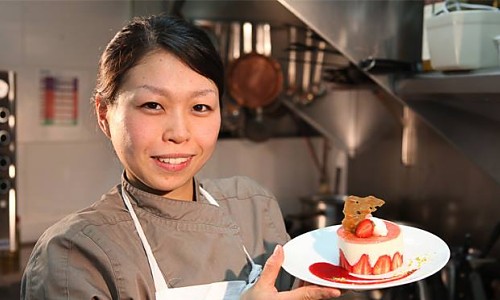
(255,79)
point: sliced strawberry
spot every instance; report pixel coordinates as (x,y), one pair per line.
(364,228)
(397,261)
(383,265)
(362,266)
(343,262)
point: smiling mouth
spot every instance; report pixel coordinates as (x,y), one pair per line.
(173,161)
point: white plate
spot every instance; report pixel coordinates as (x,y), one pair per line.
(424,252)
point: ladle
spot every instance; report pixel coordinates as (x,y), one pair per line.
(306,96)
(292,68)
(233,116)
(318,89)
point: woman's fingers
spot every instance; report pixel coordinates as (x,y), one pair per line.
(264,287)
(311,292)
(319,292)
(271,268)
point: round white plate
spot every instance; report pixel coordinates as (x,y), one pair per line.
(424,252)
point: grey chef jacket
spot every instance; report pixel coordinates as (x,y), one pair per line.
(96,253)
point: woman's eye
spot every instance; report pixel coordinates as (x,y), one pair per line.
(201,107)
(152,105)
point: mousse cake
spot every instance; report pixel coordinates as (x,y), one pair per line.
(368,245)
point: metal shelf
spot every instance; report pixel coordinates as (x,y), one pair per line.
(484,81)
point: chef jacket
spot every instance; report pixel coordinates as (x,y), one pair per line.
(96,253)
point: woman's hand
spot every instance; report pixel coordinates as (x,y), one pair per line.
(264,287)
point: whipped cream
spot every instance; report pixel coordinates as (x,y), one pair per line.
(379,227)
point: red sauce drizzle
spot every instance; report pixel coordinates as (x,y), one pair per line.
(338,274)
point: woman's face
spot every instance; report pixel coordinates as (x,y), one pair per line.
(164,124)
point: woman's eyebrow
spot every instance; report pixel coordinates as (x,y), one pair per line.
(165,92)
(154,89)
(203,92)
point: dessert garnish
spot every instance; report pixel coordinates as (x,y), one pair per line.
(365,228)
(356,209)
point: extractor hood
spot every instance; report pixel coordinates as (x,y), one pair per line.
(463,107)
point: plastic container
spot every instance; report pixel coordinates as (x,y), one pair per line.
(463,40)
(497,45)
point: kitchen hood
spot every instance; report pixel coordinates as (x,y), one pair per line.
(464,107)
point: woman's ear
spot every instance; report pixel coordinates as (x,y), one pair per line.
(101,109)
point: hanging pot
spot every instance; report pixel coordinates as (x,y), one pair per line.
(318,211)
(255,80)
(324,210)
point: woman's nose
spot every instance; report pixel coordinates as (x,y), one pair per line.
(176,128)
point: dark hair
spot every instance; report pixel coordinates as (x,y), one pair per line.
(145,35)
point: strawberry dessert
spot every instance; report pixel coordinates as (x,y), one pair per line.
(368,245)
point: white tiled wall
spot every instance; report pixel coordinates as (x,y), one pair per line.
(63,170)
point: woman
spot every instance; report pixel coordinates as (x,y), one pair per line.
(162,233)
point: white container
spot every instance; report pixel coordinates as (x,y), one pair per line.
(463,40)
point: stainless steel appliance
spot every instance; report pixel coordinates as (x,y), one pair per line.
(9,237)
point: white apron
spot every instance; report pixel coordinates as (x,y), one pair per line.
(224,290)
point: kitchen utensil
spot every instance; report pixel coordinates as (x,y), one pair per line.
(306,95)
(318,89)
(221,30)
(388,66)
(301,47)
(292,58)
(255,79)
(234,46)
(317,211)
(346,75)
(257,128)
(322,210)
(276,109)
(470,272)
(493,239)
(233,116)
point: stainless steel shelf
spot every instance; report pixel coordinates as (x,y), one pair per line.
(484,81)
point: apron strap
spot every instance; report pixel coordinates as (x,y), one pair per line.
(255,271)
(256,268)
(158,278)
(209,197)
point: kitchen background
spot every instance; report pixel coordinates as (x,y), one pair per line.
(429,151)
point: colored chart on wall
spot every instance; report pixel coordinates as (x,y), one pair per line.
(59,97)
